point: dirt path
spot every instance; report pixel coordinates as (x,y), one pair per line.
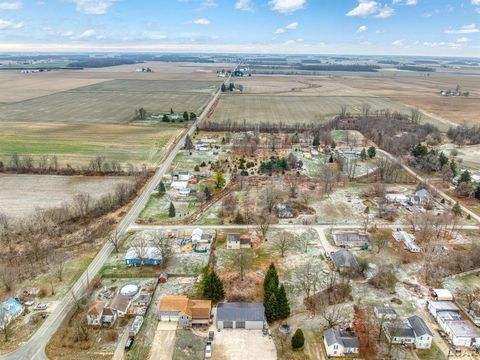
(163,344)
(119,353)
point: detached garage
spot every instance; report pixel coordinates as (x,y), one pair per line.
(240,316)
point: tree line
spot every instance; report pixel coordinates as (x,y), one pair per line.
(41,239)
(50,164)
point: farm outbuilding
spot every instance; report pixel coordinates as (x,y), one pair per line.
(137,256)
(351,239)
(240,315)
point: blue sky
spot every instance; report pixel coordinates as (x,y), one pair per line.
(397,27)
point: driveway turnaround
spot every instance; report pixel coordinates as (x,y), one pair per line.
(164,342)
(238,344)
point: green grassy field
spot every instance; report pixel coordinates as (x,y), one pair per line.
(254,109)
(111,101)
(78,144)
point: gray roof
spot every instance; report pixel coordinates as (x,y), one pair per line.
(400,329)
(422,193)
(344,259)
(419,326)
(233,237)
(385,310)
(237,311)
(333,336)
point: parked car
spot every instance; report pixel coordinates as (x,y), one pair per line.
(208,350)
(211,335)
(29,303)
(442,333)
(40,307)
(129,343)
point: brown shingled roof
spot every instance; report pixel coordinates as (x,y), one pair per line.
(194,308)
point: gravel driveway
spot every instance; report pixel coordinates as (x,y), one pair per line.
(164,341)
(238,344)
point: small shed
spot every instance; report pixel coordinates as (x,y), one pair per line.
(442,295)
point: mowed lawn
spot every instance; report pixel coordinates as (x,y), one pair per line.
(112,101)
(77,144)
(254,109)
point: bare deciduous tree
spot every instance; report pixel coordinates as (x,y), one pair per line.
(283,242)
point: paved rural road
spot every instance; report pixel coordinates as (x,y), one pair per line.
(34,348)
(325,226)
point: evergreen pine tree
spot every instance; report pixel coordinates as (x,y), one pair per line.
(213,288)
(372,152)
(188,143)
(185,116)
(208,194)
(271,308)
(283,308)
(298,340)
(316,141)
(161,187)
(171,210)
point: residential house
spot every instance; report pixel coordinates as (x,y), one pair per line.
(100,314)
(385,313)
(137,256)
(201,241)
(239,315)
(186,312)
(10,310)
(284,211)
(411,331)
(421,197)
(407,239)
(436,307)
(236,242)
(182,176)
(121,304)
(94,313)
(344,261)
(340,343)
(351,239)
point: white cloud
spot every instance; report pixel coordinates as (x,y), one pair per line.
(463,40)
(362,29)
(201,21)
(8,24)
(385,12)
(404,2)
(292,26)
(93,7)
(287,6)
(279,31)
(244,5)
(398,42)
(466,29)
(17,5)
(475,2)
(366,8)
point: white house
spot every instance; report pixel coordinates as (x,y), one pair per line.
(421,197)
(179,185)
(396,198)
(407,239)
(411,331)
(436,307)
(338,343)
(236,242)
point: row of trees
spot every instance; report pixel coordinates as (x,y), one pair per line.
(462,135)
(50,164)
